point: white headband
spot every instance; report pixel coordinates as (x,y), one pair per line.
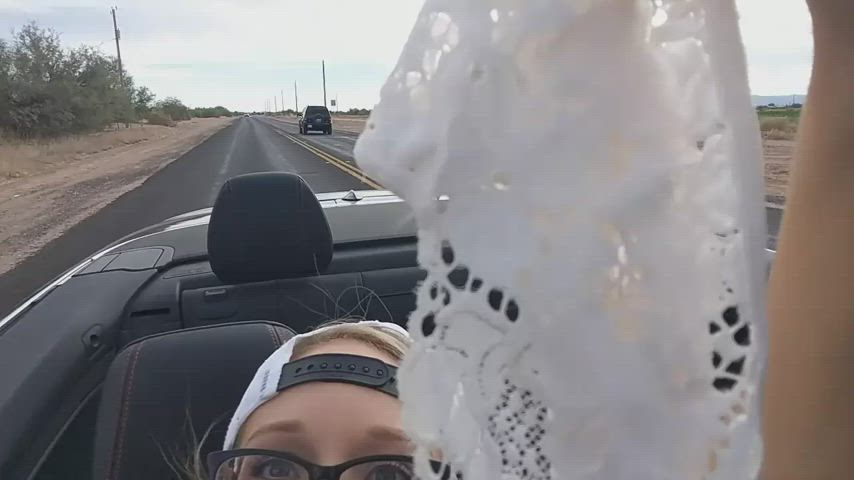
(264,385)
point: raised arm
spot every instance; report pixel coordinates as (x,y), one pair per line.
(809,406)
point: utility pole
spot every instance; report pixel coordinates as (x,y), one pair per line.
(118,48)
(282,91)
(296,97)
(275,104)
(324,83)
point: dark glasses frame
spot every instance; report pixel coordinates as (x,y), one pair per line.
(315,472)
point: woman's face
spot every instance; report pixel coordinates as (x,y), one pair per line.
(330,423)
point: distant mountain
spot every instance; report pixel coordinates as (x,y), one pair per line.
(779,100)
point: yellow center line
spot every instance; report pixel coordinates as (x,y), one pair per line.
(341,164)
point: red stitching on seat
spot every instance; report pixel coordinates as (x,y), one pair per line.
(115,467)
(277,342)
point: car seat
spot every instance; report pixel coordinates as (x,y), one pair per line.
(163,393)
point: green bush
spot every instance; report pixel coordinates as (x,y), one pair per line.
(776,123)
(788,112)
(207,112)
(174,108)
(142,101)
(48,91)
(159,117)
(357,111)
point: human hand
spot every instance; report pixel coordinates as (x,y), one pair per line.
(833,18)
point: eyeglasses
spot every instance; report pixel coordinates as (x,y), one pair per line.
(252,464)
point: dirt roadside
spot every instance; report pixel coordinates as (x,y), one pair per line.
(345,123)
(778,163)
(352,124)
(777,155)
(40,204)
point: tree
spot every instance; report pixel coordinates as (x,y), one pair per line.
(36,83)
(46,91)
(207,112)
(142,99)
(174,108)
(5,79)
(100,98)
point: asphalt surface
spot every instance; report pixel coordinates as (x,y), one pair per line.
(189,183)
(249,145)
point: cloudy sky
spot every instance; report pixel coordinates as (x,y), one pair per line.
(239,53)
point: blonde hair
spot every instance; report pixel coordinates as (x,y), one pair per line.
(385,340)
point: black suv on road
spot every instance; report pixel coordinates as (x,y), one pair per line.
(315,118)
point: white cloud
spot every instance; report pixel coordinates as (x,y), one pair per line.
(241,52)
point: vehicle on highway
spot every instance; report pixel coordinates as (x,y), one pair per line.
(315,118)
(246,115)
(110,364)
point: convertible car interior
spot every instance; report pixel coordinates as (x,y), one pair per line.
(125,364)
(142,352)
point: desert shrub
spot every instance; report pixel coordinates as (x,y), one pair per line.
(48,91)
(174,108)
(783,124)
(211,112)
(357,111)
(159,117)
(779,135)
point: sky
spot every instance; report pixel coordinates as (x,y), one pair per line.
(242,53)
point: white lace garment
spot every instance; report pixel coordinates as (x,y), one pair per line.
(593,308)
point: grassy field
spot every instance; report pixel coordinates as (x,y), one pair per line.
(350,123)
(779,123)
(779,127)
(786,112)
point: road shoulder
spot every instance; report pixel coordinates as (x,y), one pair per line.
(39,208)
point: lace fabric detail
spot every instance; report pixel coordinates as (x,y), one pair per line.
(586,180)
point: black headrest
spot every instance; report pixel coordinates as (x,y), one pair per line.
(164,391)
(267,226)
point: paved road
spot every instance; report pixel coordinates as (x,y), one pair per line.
(256,144)
(192,182)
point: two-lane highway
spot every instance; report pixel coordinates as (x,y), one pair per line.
(341,143)
(191,182)
(336,149)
